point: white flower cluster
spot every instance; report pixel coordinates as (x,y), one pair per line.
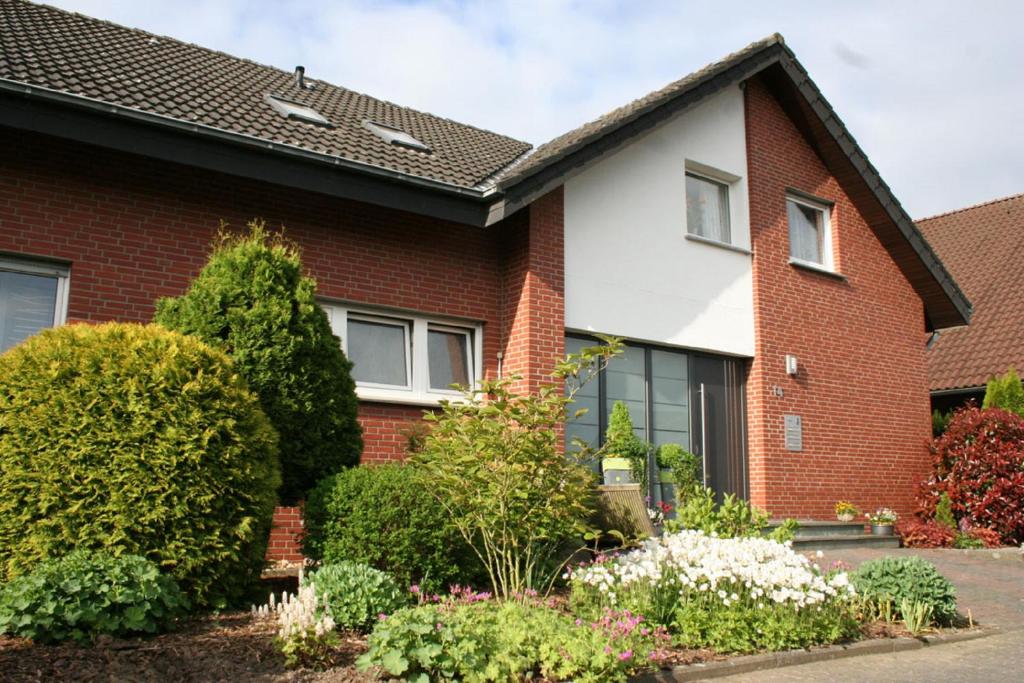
(299,615)
(692,562)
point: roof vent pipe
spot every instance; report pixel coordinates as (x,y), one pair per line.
(300,77)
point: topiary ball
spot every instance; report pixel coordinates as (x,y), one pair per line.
(138,440)
(907,578)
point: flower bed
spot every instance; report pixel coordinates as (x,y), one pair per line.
(733,594)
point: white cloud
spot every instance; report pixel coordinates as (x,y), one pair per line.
(931,90)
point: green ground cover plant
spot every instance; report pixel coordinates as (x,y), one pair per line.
(254,301)
(494,641)
(136,440)
(356,595)
(87,594)
(889,582)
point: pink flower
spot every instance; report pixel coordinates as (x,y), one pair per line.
(414,589)
(382,617)
(628,654)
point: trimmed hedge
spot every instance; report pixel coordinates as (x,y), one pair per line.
(86,594)
(384,516)
(253,301)
(136,440)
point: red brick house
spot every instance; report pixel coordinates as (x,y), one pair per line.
(775,296)
(981,245)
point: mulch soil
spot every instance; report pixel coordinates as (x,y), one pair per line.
(228,647)
(231,647)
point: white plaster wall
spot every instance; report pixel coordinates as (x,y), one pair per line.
(629,268)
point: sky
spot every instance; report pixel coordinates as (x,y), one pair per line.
(932,90)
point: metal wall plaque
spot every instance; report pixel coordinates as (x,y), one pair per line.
(794,433)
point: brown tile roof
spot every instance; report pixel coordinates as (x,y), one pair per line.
(75,54)
(580,137)
(983,247)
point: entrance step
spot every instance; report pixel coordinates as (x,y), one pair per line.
(824,535)
(805,543)
(817,528)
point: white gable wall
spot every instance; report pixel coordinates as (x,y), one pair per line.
(629,269)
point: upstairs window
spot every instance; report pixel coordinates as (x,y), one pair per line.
(406,358)
(707,208)
(32,298)
(810,233)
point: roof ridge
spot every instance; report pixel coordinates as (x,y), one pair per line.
(1019,195)
(284,72)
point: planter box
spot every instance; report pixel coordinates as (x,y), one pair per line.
(881,529)
(616,471)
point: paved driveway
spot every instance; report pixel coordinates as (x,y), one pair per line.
(989,585)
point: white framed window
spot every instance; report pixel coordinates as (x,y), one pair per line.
(400,357)
(810,232)
(33,296)
(707,208)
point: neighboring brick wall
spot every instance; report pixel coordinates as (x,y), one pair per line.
(862,388)
(135,230)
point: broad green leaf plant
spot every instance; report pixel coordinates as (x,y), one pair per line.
(495,462)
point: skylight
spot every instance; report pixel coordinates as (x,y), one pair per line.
(394,135)
(293,110)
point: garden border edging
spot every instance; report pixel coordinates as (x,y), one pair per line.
(775,660)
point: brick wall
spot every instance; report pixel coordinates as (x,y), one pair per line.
(134,230)
(862,387)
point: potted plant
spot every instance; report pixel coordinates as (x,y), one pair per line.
(677,471)
(882,521)
(624,453)
(846,511)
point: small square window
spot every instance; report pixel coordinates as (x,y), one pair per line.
(810,238)
(707,208)
(448,351)
(379,351)
(32,298)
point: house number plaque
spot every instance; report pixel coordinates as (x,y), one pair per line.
(794,433)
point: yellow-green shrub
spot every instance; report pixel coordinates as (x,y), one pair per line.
(136,440)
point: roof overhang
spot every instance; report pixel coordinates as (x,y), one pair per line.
(128,130)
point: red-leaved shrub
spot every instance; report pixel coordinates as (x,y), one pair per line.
(989,537)
(918,534)
(979,463)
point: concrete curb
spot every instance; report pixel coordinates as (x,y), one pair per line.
(775,660)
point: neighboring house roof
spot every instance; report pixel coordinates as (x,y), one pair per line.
(49,48)
(983,246)
(182,102)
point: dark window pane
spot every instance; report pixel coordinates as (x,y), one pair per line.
(27,305)
(378,352)
(670,414)
(449,359)
(624,380)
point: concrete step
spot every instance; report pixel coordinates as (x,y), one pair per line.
(809,527)
(806,543)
